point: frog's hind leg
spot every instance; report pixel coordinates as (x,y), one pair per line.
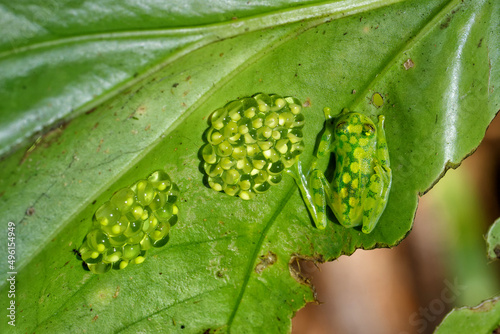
(318,187)
(374,202)
(383,153)
(313,192)
(313,185)
(379,186)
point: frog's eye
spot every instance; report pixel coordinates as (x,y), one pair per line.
(134,220)
(342,127)
(368,129)
(251,141)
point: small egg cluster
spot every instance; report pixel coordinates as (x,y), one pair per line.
(251,141)
(131,222)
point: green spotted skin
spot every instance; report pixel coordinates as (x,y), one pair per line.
(362,178)
(134,220)
(251,141)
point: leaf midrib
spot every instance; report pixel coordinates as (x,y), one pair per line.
(219,30)
(256,252)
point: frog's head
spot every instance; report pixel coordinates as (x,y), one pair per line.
(352,123)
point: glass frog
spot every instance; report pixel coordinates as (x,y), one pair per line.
(362,178)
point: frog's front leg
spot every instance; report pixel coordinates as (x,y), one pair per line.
(384,169)
(313,185)
(383,151)
(315,191)
(373,203)
(377,192)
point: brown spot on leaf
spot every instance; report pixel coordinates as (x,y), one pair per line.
(100,145)
(266,260)
(30,211)
(486,306)
(88,112)
(301,268)
(141,110)
(46,140)
(307,103)
(408,64)
(446,23)
(116,292)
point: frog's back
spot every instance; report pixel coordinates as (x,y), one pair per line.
(354,148)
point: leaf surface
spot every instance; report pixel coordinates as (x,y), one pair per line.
(482,319)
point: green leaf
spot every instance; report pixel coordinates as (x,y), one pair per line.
(493,240)
(61,59)
(230,265)
(482,319)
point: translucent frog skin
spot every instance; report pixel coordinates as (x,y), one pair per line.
(362,178)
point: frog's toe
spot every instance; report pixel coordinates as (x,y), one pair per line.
(367,229)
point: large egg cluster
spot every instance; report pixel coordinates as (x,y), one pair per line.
(134,220)
(251,141)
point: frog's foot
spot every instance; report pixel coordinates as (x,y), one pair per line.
(381,120)
(327,111)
